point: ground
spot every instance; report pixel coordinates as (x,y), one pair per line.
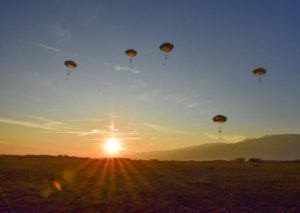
(63,184)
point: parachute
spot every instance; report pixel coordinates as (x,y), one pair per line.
(131,53)
(166,48)
(70,65)
(220,119)
(259,72)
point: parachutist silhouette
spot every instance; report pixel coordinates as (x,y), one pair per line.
(259,72)
(131,53)
(70,65)
(166,48)
(219,119)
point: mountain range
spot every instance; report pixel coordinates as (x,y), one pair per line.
(270,147)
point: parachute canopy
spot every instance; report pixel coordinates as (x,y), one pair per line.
(166,47)
(70,64)
(131,53)
(259,71)
(219,119)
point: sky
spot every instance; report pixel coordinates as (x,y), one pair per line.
(146,105)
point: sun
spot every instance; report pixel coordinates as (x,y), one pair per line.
(112,146)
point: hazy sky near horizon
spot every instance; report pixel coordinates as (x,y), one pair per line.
(153,107)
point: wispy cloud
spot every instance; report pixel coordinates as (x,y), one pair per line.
(141,83)
(83,133)
(149,96)
(43,124)
(177,98)
(95,132)
(162,139)
(121,138)
(92,132)
(46,120)
(88,14)
(107,65)
(126,69)
(199,124)
(132,138)
(54,49)
(63,33)
(164,129)
(192,105)
(87,120)
(226,138)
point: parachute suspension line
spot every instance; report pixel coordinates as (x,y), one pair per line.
(68,74)
(130,63)
(166,58)
(259,79)
(220,132)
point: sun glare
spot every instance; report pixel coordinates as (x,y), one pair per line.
(112,146)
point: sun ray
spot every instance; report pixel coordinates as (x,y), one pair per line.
(139,175)
(113,195)
(94,168)
(100,188)
(128,183)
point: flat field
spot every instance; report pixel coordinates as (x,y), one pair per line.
(58,184)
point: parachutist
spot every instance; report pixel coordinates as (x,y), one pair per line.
(219,119)
(166,48)
(70,65)
(130,53)
(259,72)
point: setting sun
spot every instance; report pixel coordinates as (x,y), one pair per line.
(112,146)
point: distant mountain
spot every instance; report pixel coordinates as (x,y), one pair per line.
(274,147)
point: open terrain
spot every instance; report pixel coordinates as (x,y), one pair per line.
(64,184)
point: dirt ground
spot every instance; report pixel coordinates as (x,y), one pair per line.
(62,184)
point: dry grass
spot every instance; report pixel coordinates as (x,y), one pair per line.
(122,185)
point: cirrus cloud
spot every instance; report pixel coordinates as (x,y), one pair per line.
(126,69)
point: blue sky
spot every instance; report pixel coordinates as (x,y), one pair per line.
(217,45)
